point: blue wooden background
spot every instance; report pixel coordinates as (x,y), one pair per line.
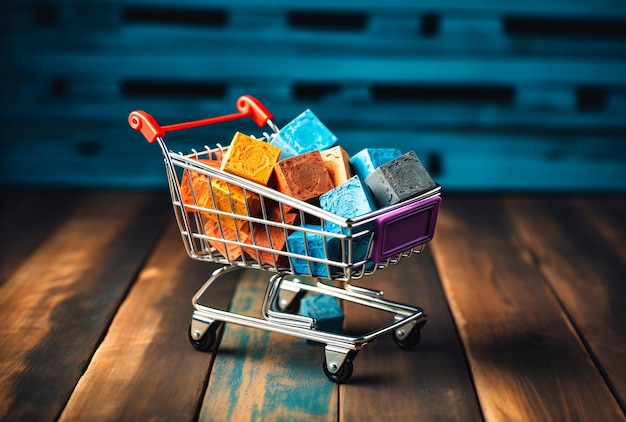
(492,95)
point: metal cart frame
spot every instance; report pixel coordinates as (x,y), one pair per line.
(357,249)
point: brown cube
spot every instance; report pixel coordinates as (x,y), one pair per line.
(303,177)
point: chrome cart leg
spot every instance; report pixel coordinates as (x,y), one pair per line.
(364,291)
(289,296)
(289,319)
(203,330)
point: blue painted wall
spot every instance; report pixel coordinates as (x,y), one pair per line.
(492,95)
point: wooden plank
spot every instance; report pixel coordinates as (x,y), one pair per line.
(145,368)
(383,34)
(336,108)
(560,7)
(508,161)
(526,359)
(24,223)
(606,216)
(465,160)
(55,308)
(430,382)
(259,375)
(322,68)
(567,241)
(83,65)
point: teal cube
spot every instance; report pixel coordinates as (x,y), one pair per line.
(367,160)
(308,245)
(351,199)
(326,311)
(303,134)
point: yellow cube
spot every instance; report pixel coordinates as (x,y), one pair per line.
(250,158)
(231,199)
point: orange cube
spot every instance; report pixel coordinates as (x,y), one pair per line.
(337,163)
(194,189)
(229,251)
(269,236)
(250,158)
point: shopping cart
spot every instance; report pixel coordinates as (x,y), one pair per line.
(253,234)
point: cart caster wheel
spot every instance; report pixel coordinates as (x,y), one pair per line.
(342,375)
(411,340)
(208,340)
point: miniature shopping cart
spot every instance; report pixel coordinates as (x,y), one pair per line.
(240,238)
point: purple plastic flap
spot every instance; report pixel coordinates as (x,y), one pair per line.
(404,228)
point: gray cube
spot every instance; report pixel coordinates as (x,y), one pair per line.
(399,179)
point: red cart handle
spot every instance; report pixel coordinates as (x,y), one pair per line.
(246,104)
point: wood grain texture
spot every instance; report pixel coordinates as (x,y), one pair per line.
(430,382)
(606,217)
(526,359)
(260,376)
(145,368)
(28,216)
(56,307)
(585,270)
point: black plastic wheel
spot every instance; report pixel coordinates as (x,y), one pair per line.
(208,340)
(411,340)
(343,374)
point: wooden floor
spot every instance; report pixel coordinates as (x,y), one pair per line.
(526,298)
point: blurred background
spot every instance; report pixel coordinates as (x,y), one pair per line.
(493,96)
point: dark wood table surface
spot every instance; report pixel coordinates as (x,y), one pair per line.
(526,298)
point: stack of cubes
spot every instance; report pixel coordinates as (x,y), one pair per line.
(303,161)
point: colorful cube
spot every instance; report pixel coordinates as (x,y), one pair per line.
(399,179)
(194,189)
(303,176)
(232,199)
(303,134)
(367,160)
(309,245)
(271,236)
(250,158)
(326,311)
(337,163)
(351,199)
(229,251)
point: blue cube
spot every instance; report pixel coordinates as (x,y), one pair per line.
(303,134)
(351,199)
(338,248)
(308,245)
(367,160)
(326,311)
